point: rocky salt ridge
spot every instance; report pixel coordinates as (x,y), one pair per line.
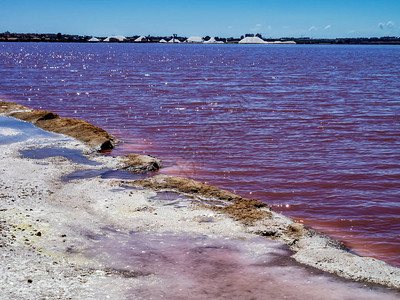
(47,224)
(94,137)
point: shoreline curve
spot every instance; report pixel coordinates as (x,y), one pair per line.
(310,247)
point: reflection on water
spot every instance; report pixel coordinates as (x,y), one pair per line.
(198,267)
(73,155)
(15,131)
(105,173)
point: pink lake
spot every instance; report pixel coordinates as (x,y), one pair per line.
(313,131)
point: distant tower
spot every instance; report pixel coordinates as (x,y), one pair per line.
(174,37)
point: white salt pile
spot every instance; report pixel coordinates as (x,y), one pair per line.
(194,39)
(252,40)
(112,38)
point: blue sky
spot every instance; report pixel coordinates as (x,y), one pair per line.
(271,18)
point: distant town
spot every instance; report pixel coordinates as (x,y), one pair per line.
(244,39)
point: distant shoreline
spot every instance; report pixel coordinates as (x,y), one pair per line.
(66,38)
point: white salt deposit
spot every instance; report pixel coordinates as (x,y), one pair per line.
(93,39)
(141,39)
(195,39)
(252,40)
(282,42)
(9,131)
(119,38)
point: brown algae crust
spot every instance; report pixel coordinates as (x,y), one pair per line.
(188,186)
(91,135)
(10,107)
(139,163)
(33,116)
(244,210)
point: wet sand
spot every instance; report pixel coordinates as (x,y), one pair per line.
(99,238)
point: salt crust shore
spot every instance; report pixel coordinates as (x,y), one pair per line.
(93,136)
(76,239)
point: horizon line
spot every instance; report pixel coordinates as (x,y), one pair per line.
(183,36)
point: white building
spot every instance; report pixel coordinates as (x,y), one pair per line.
(163,41)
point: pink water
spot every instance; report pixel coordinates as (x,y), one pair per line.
(180,266)
(311,130)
